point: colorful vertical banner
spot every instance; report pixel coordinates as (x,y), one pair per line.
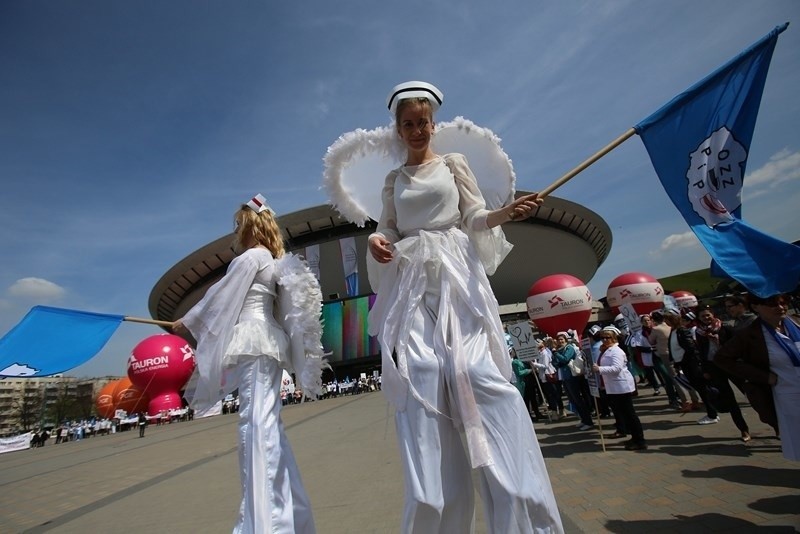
(345,335)
(350,263)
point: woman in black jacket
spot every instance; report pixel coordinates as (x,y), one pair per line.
(684,353)
(710,335)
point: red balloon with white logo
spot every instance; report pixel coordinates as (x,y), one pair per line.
(559,302)
(684,299)
(641,290)
(161,365)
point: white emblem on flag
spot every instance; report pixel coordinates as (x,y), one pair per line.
(16,369)
(714,177)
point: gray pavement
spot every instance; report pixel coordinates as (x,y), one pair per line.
(183,477)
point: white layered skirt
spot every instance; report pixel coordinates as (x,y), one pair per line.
(257,337)
(444,264)
(446,366)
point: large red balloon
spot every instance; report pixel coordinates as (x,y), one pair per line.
(684,299)
(128,397)
(639,289)
(161,365)
(559,302)
(105,400)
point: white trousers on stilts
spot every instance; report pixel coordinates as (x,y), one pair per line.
(273,497)
(439,495)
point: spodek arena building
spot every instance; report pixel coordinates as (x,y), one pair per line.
(561,237)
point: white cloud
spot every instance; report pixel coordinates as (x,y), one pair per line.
(781,167)
(676,241)
(37,288)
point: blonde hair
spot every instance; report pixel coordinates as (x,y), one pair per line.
(419,101)
(261,227)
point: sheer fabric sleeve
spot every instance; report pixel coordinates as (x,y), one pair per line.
(387,225)
(211,323)
(490,243)
(387,228)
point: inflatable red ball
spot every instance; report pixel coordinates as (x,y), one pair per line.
(639,289)
(559,302)
(161,365)
(105,400)
(129,397)
(684,299)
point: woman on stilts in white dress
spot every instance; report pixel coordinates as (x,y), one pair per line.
(445,365)
(243,342)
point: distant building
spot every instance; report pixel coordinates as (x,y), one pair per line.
(28,403)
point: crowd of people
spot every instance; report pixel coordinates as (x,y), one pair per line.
(363,384)
(86,428)
(292,394)
(70,431)
(73,431)
(697,356)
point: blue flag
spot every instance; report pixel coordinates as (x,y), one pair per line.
(699,143)
(49,341)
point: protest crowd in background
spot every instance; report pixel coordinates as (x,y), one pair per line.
(669,353)
(70,431)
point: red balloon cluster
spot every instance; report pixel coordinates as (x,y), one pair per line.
(160,366)
(559,302)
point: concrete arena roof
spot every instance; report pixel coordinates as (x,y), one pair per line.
(560,237)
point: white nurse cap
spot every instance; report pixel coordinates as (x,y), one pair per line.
(415,90)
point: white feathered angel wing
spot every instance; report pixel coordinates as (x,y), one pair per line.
(357,163)
(488,161)
(299,312)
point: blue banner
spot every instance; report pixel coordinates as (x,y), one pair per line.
(351,283)
(49,341)
(699,143)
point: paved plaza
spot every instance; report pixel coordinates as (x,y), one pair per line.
(183,477)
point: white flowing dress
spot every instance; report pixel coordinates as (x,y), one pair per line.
(237,314)
(445,363)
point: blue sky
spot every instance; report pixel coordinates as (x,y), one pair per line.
(130,131)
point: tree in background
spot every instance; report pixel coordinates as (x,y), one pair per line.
(27,408)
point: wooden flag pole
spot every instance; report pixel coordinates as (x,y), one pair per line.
(599,424)
(580,168)
(168,324)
